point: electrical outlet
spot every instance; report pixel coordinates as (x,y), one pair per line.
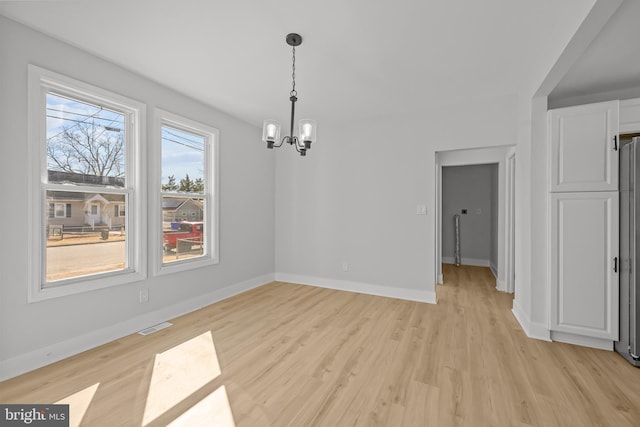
(345,266)
(144,295)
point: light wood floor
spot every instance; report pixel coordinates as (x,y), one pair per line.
(291,355)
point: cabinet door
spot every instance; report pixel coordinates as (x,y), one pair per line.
(584,264)
(583,147)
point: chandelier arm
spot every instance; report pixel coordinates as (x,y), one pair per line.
(281,142)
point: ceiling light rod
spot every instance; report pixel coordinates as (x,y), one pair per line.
(306,127)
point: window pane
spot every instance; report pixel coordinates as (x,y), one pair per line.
(182,228)
(90,240)
(59,210)
(183,162)
(85,143)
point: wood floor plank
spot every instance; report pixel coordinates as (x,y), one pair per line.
(294,355)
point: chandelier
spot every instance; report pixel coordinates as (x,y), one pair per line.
(306,127)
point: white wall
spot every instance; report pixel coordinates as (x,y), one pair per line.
(470,188)
(531,303)
(65,325)
(354,197)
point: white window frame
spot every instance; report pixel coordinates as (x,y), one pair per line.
(211,230)
(41,82)
(120,209)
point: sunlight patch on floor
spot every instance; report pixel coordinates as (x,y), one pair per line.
(213,410)
(79,403)
(179,372)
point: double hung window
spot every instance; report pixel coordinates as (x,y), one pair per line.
(186,228)
(85,146)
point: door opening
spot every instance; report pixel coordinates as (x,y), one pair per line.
(504,246)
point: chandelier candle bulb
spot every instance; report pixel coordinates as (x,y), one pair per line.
(307,131)
(270,132)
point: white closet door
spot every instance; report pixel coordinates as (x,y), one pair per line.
(584,264)
(583,147)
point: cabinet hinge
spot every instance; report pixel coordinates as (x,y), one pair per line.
(615,142)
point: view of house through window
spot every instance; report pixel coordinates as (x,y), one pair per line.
(183,194)
(85,229)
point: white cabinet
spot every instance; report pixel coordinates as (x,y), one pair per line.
(584,264)
(583,147)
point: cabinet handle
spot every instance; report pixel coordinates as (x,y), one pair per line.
(615,264)
(615,142)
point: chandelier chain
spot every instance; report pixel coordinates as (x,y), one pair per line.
(293,92)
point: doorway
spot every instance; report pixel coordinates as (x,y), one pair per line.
(470,215)
(504,157)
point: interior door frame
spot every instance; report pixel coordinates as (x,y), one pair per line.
(510,238)
(476,156)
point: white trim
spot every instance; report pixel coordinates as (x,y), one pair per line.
(475,262)
(438,221)
(584,341)
(417,295)
(41,82)
(494,269)
(22,363)
(502,286)
(629,116)
(531,329)
(510,207)
(211,196)
(474,156)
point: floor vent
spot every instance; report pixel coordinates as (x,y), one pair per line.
(155,328)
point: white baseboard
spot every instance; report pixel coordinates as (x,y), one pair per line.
(359,287)
(494,270)
(44,356)
(500,284)
(531,329)
(568,338)
(475,262)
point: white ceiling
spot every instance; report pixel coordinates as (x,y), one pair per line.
(360,59)
(612,60)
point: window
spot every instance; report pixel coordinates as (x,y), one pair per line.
(84,146)
(119,211)
(62,210)
(186,227)
(59,210)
